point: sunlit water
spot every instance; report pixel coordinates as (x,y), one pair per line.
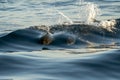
(22,59)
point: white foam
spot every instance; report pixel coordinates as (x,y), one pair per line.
(109,25)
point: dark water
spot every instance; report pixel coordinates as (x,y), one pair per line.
(35,67)
(77,52)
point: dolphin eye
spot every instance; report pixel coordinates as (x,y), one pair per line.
(70,40)
(46,39)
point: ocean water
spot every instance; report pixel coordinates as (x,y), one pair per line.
(77,52)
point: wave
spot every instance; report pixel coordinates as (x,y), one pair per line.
(103,66)
(61,36)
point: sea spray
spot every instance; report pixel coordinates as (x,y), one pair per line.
(66,17)
(93,11)
(88,11)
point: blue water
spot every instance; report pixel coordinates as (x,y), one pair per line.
(94,54)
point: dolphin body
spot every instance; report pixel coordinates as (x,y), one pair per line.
(60,36)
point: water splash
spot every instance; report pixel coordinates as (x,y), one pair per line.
(66,17)
(93,11)
(109,25)
(88,11)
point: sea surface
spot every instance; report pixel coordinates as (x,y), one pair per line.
(78,53)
